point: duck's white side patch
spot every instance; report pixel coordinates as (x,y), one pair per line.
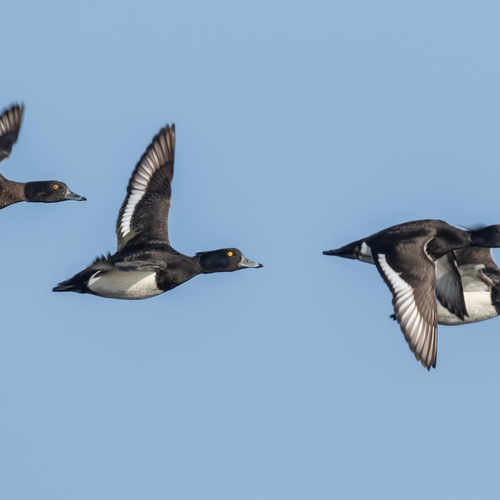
(417,331)
(365,254)
(130,285)
(479,307)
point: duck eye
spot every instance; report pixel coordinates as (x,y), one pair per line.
(230,254)
(56,186)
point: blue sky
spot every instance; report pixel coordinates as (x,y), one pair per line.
(300,127)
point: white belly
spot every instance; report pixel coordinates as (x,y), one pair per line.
(478,305)
(131,285)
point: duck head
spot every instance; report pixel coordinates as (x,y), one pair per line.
(488,236)
(49,192)
(224,260)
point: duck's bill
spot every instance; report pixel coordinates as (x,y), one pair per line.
(73,196)
(244,262)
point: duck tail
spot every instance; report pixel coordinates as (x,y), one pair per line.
(78,283)
(71,285)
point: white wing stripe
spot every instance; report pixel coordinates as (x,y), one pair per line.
(409,315)
(406,301)
(396,281)
(139,184)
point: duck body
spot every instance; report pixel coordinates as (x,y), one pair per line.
(145,263)
(135,273)
(12,192)
(417,260)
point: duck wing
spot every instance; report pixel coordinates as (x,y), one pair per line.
(411,276)
(10,123)
(145,208)
(449,287)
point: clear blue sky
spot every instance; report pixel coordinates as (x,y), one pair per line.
(301,126)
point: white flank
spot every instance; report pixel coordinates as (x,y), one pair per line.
(132,285)
(479,307)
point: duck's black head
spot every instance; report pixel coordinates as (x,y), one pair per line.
(488,236)
(227,259)
(49,192)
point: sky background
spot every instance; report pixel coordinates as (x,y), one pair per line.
(300,127)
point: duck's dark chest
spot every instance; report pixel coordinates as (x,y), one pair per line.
(10,192)
(178,271)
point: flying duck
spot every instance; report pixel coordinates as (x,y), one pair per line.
(13,192)
(417,260)
(145,264)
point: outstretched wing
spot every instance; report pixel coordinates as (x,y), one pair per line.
(411,279)
(10,123)
(145,208)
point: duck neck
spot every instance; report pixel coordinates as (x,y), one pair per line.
(209,262)
(201,261)
(32,192)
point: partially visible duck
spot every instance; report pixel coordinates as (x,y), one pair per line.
(13,192)
(145,264)
(481,285)
(417,262)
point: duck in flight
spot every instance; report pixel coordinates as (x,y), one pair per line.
(433,269)
(145,264)
(14,192)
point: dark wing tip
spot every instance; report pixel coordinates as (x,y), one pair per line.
(15,105)
(10,123)
(428,365)
(13,115)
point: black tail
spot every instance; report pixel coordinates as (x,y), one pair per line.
(71,285)
(78,283)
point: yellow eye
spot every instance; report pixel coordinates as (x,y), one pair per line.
(56,186)
(230,254)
